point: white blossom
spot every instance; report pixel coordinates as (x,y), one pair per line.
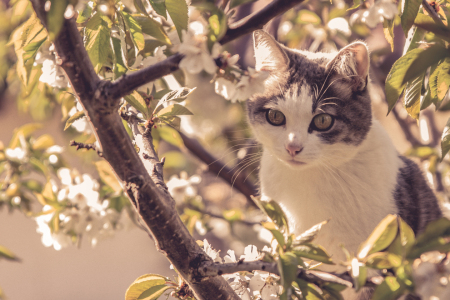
(196,54)
(249,85)
(17,154)
(379,11)
(182,187)
(211,252)
(251,253)
(53,75)
(225,88)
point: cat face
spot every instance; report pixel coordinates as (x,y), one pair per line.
(315,109)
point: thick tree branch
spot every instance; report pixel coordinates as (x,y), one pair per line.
(219,168)
(154,204)
(129,82)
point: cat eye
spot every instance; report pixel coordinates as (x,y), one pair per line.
(275,117)
(322,122)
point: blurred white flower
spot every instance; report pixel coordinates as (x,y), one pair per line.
(196,54)
(181,187)
(230,257)
(224,88)
(249,85)
(431,278)
(17,154)
(379,11)
(340,24)
(53,74)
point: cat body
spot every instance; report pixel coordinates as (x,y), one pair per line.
(324,157)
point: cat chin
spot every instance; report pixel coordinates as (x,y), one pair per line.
(293,164)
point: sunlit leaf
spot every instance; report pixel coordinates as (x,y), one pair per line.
(178,11)
(389,289)
(440,79)
(98,41)
(142,284)
(381,237)
(135,30)
(427,23)
(7,254)
(277,234)
(309,235)
(287,265)
(78,115)
(140,6)
(107,175)
(120,66)
(445,140)
(137,101)
(160,7)
(274,211)
(307,17)
(383,260)
(85,14)
(409,13)
(55,17)
(152,28)
(154,292)
(388,30)
(171,136)
(315,252)
(434,229)
(173,110)
(412,95)
(356,4)
(39,165)
(43,142)
(23,131)
(232,215)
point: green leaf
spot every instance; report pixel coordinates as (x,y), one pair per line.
(395,82)
(171,136)
(153,28)
(120,66)
(441,244)
(309,235)
(414,38)
(154,292)
(412,95)
(23,131)
(427,23)
(107,175)
(426,100)
(43,142)
(234,3)
(142,284)
(356,4)
(424,59)
(176,95)
(389,289)
(440,79)
(233,215)
(383,260)
(314,252)
(98,41)
(277,234)
(287,265)
(85,14)
(138,102)
(381,237)
(32,48)
(409,13)
(359,277)
(404,240)
(39,165)
(274,211)
(160,7)
(217,26)
(434,229)
(135,30)
(178,11)
(445,140)
(78,115)
(388,30)
(173,110)
(307,17)
(140,7)
(7,254)
(55,17)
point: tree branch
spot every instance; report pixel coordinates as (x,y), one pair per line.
(129,82)
(154,204)
(217,167)
(314,276)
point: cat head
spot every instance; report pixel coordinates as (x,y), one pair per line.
(316,108)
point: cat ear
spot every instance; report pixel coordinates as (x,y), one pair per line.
(269,55)
(353,61)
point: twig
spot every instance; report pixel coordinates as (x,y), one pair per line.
(86,146)
(129,82)
(217,167)
(314,276)
(430,10)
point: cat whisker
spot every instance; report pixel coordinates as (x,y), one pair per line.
(333,83)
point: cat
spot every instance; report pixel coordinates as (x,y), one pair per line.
(324,156)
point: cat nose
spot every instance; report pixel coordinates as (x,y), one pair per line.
(293,149)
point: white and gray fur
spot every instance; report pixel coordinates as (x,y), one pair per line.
(351,174)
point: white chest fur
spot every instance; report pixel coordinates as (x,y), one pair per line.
(354,196)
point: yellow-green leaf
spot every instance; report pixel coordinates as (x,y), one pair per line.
(138,102)
(173,110)
(389,289)
(107,175)
(43,142)
(78,115)
(135,30)
(445,140)
(308,17)
(409,13)
(7,254)
(381,237)
(98,41)
(314,252)
(178,11)
(142,284)
(23,132)
(153,28)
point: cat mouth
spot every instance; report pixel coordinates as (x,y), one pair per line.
(295,162)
